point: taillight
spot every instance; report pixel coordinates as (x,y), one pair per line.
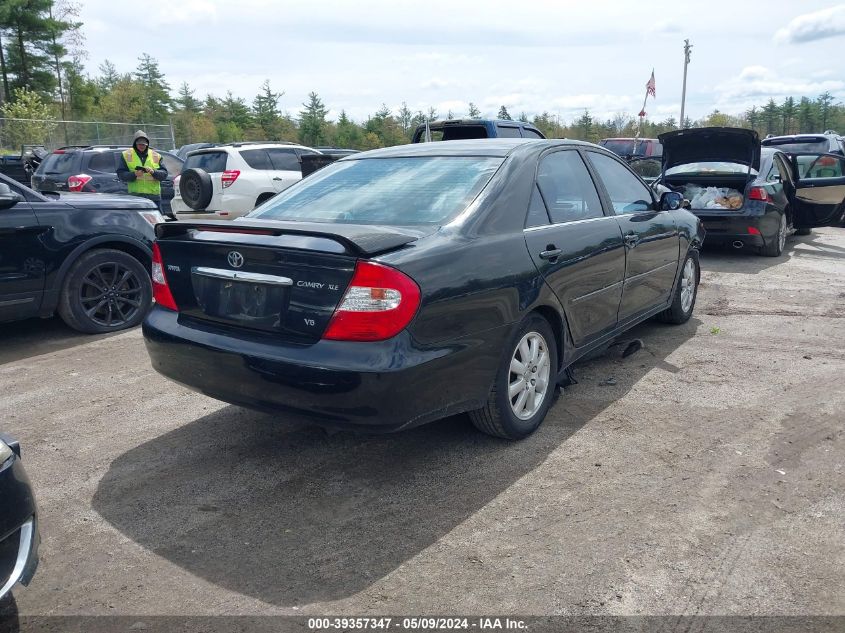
(758,193)
(176,180)
(59,151)
(379,303)
(753,230)
(78,182)
(229,176)
(827,161)
(161,291)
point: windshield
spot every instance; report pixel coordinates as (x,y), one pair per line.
(707,169)
(391,191)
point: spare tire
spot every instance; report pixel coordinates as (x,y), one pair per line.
(196,188)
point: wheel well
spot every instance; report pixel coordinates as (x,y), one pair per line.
(554,319)
(263,198)
(129,249)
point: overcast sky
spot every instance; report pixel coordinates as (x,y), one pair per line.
(560,56)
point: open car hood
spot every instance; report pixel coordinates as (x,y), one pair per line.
(711,144)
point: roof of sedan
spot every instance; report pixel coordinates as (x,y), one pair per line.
(475,147)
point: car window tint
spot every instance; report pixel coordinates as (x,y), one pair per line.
(537,213)
(58,163)
(172,165)
(627,194)
(257,158)
(567,188)
(212,162)
(284,159)
(392,191)
(104,161)
(530,133)
(508,131)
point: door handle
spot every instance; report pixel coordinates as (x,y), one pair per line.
(277,178)
(552,253)
(631,240)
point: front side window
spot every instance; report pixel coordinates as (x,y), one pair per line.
(391,191)
(567,188)
(627,193)
(257,159)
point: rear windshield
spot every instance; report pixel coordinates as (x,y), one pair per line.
(710,169)
(58,163)
(630,147)
(821,146)
(391,191)
(212,162)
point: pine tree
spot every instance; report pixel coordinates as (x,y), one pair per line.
(405,117)
(787,112)
(823,105)
(770,115)
(523,116)
(265,107)
(156,88)
(312,121)
(474,112)
(503,114)
(108,76)
(806,116)
(27,26)
(186,100)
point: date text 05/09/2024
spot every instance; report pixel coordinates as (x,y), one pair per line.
(416,623)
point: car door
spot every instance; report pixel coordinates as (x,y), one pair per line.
(22,266)
(818,197)
(575,246)
(286,168)
(651,237)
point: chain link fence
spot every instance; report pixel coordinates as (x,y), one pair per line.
(15,133)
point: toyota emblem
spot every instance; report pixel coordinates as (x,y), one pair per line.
(236,260)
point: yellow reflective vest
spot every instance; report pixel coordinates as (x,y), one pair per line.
(144,183)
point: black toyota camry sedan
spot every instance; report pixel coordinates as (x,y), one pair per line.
(18,522)
(402,285)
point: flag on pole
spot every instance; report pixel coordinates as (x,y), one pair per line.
(649,87)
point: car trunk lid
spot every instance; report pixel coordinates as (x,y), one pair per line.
(284,278)
(713,144)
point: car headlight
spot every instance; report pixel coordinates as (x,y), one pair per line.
(5,452)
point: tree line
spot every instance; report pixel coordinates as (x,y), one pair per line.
(42,66)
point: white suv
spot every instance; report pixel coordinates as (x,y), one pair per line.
(228,181)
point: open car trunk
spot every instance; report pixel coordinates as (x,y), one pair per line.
(711,193)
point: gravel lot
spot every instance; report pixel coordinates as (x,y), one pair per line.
(704,474)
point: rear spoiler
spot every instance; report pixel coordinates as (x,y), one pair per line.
(358,240)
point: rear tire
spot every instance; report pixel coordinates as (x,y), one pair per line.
(686,292)
(528,371)
(105,290)
(776,243)
(196,188)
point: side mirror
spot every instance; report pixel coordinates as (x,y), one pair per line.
(671,200)
(8,198)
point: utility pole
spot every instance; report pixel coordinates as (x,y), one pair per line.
(687,49)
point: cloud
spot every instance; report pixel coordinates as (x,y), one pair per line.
(813,26)
(666,27)
(190,12)
(754,84)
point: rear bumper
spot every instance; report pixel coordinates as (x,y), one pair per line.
(751,230)
(381,386)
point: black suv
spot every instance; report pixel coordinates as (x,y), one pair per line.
(85,256)
(463,129)
(93,169)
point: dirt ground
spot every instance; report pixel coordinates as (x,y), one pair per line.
(704,474)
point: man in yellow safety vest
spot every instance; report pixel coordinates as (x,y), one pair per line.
(142,169)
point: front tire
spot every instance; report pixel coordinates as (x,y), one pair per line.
(525,383)
(686,292)
(105,290)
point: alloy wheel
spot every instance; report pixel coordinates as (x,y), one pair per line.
(688,285)
(528,381)
(111,294)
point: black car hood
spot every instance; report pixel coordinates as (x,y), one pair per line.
(711,144)
(104,201)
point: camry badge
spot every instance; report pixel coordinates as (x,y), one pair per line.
(236,260)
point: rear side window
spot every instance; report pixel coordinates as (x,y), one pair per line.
(508,131)
(257,158)
(530,133)
(59,163)
(284,159)
(104,161)
(212,162)
(567,188)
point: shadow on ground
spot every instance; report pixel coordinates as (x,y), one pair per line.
(33,337)
(726,259)
(294,515)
